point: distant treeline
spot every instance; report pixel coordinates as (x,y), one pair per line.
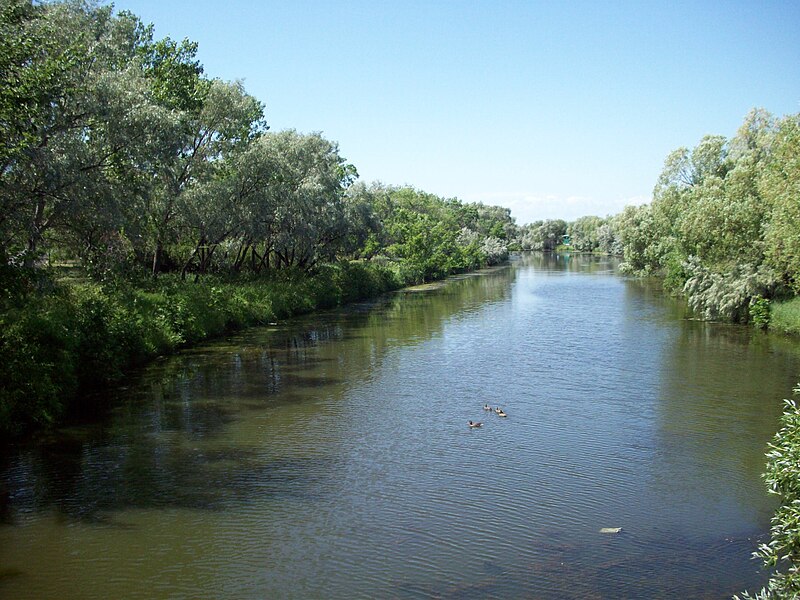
(723,228)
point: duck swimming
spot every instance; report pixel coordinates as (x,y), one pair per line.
(487,407)
(474,424)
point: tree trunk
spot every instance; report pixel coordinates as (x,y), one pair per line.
(157,256)
(198,248)
(241,255)
(34,234)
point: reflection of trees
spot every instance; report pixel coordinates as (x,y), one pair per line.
(156,448)
(720,397)
(568,262)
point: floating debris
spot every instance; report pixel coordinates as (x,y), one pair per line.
(611,530)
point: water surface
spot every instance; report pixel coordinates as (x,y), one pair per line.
(329,456)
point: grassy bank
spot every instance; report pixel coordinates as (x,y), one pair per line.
(58,338)
(785,316)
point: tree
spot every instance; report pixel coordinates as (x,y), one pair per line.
(100,108)
(637,232)
(583,233)
(308,186)
(780,186)
(200,141)
(543,235)
(56,58)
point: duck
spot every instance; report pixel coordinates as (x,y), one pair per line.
(474,424)
(487,407)
(501,413)
(498,410)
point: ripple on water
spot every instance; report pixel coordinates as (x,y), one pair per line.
(330,457)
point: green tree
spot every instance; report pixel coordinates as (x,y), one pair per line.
(780,186)
(583,233)
(309,184)
(59,60)
(197,146)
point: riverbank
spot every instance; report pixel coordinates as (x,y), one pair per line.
(271,440)
(785,316)
(59,338)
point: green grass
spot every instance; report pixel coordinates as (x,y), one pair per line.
(785,316)
(57,339)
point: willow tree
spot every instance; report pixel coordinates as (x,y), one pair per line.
(308,185)
(71,114)
(780,186)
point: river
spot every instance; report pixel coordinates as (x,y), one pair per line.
(329,456)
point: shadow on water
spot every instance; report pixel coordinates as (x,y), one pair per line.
(151,449)
(89,480)
(325,456)
(619,566)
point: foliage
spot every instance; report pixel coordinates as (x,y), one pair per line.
(543,236)
(429,237)
(723,225)
(583,233)
(119,155)
(495,250)
(608,240)
(637,232)
(726,296)
(77,336)
(785,316)
(782,552)
(759,312)
(780,184)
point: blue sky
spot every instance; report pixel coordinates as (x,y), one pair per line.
(553,109)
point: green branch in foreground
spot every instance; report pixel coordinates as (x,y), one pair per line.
(782,552)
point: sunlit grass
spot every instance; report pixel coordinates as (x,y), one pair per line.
(785,316)
(73,334)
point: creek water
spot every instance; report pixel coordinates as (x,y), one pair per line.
(329,456)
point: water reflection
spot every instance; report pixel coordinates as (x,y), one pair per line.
(329,456)
(146,455)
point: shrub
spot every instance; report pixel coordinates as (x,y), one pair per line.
(785,316)
(759,312)
(782,552)
(56,339)
(725,296)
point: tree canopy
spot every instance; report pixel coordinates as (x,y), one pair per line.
(120,153)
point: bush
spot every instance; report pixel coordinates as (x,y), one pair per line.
(80,335)
(759,312)
(725,296)
(782,552)
(37,365)
(785,316)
